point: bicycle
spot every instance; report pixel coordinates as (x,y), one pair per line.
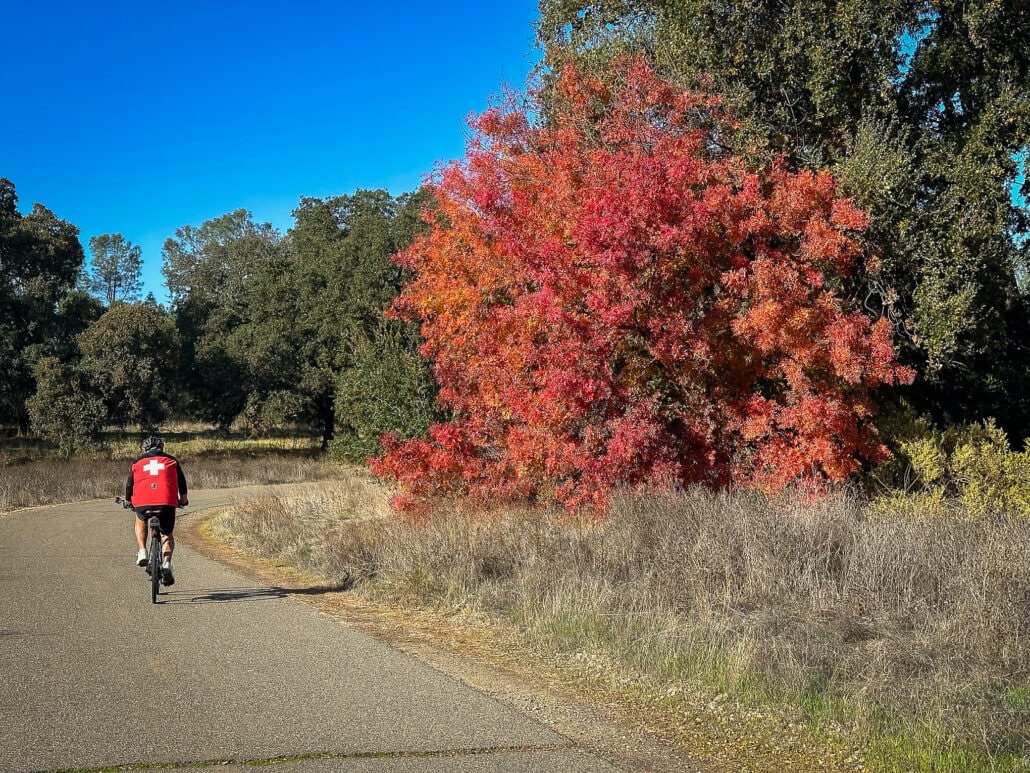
(153,551)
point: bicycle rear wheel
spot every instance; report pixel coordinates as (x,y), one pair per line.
(155,563)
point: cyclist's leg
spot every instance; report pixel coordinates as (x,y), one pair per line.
(141,532)
(141,536)
(167,517)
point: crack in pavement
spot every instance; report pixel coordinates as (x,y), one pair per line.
(312,756)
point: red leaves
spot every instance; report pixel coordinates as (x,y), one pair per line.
(611,300)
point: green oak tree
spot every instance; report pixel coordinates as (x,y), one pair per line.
(65,409)
(40,258)
(208,270)
(388,389)
(129,359)
(76,311)
(316,313)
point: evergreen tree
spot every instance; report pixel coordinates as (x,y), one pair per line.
(114,269)
(64,409)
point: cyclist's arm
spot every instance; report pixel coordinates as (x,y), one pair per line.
(183,490)
(128,487)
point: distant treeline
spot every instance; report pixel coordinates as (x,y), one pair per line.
(264,329)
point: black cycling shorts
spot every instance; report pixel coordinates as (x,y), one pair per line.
(165,513)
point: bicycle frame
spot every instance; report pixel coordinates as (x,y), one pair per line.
(154,545)
(154,556)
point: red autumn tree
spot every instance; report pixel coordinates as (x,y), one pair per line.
(612,298)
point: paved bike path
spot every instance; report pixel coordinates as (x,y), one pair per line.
(92,674)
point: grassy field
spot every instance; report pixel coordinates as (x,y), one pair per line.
(899,637)
(32,473)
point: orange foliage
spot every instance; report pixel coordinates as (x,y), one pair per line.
(612,299)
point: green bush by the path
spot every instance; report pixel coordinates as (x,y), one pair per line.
(971,462)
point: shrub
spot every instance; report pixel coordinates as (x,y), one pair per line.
(971,462)
(387,390)
(264,412)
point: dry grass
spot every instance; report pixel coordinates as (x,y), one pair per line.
(31,473)
(908,634)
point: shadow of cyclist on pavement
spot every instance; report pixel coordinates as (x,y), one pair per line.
(225,595)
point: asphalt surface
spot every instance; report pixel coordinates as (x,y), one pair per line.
(93,675)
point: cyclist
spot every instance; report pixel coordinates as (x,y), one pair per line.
(156,483)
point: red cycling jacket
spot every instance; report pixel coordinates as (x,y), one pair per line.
(156,479)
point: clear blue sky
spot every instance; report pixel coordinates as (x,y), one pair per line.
(138,118)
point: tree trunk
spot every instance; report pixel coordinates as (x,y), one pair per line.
(327,417)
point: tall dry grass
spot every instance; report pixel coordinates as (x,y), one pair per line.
(911,633)
(32,475)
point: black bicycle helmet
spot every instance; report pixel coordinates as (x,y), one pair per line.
(152,443)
